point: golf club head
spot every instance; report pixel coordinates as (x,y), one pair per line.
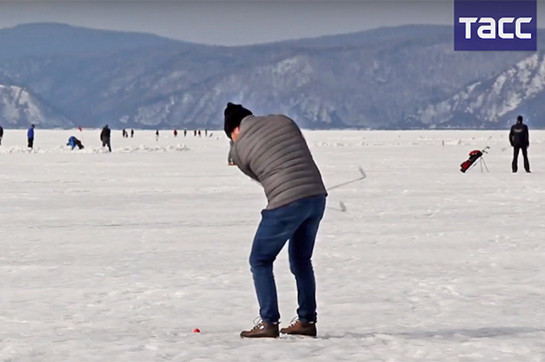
(363,175)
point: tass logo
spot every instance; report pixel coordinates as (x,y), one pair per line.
(495,25)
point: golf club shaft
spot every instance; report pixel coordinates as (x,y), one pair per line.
(363,175)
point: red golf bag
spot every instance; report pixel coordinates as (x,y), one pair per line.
(474,156)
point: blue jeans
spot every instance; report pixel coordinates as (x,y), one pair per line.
(297,222)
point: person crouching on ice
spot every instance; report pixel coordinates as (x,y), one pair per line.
(271,150)
(73,142)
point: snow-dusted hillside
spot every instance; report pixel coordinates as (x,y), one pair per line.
(388,78)
(20,108)
(496,101)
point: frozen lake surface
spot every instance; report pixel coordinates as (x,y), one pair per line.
(120,256)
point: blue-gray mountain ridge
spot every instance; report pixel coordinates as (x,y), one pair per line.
(409,77)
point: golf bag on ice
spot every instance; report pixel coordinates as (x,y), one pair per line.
(474,156)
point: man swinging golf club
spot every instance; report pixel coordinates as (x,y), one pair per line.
(271,150)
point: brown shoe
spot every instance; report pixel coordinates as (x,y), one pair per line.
(300,328)
(261,330)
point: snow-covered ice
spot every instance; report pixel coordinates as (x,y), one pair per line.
(119,257)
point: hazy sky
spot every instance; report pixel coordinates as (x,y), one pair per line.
(229,22)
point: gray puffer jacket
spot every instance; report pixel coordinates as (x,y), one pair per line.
(272,150)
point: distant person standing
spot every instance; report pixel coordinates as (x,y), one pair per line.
(230,156)
(519,139)
(157,135)
(30,137)
(175,133)
(132,133)
(105,135)
(1,134)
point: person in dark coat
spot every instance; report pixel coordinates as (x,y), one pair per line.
(105,137)
(230,159)
(1,134)
(272,151)
(73,142)
(30,136)
(520,140)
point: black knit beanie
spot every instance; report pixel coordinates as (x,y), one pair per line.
(233,115)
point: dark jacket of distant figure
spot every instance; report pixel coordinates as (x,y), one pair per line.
(30,133)
(518,137)
(105,134)
(272,150)
(230,157)
(1,132)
